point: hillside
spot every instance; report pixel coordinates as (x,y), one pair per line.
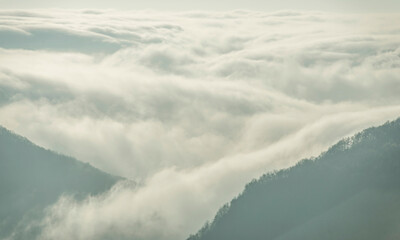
(32,178)
(352,191)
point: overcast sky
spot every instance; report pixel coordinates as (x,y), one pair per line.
(270,5)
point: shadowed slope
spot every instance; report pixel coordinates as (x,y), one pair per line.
(32,178)
(350,192)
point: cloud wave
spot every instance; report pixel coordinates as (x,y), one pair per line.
(190,105)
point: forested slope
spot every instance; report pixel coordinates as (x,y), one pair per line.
(352,191)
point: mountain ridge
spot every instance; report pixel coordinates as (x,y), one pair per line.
(33,178)
(314,198)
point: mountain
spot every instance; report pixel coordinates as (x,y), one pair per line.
(32,178)
(352,191)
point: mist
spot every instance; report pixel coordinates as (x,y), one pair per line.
(189,105)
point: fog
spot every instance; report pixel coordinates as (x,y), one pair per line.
(190,105)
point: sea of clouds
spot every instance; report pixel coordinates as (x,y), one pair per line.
(189,105)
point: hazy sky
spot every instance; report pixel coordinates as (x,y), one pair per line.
(271,5)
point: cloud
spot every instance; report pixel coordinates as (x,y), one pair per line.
(190,105)
(56,39)
(174,203)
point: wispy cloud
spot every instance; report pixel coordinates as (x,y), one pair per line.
(191,105)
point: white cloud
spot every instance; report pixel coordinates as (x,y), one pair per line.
(191,105)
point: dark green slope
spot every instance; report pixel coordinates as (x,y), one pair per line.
(352,191)
(32,178)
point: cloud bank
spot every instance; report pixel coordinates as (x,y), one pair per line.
(190,105)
